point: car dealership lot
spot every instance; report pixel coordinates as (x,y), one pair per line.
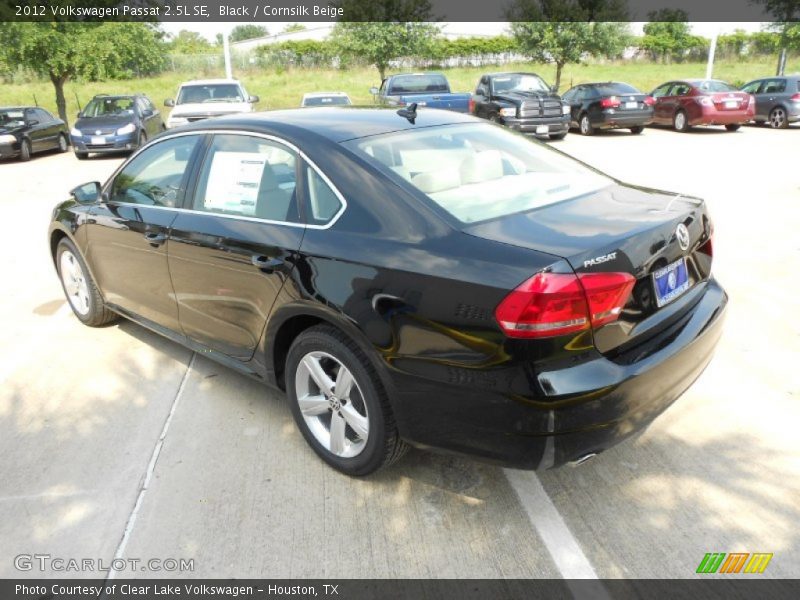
(119,442)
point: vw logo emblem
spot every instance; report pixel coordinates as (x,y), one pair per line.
(672,280)
(683,236)
(98,132)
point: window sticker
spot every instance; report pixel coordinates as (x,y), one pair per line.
(233,182)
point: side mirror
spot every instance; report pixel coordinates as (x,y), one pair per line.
(147,112)
(88,193)
(253,99)
(373,90)
(169,102)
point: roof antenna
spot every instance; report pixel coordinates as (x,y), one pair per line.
(409,113)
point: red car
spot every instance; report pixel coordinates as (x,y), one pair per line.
(684,104)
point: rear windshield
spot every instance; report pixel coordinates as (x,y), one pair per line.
(218,92)
(613,89)
(518,82)
(415,84)
(108,107)
(477,172)
(715,86)
(326,101)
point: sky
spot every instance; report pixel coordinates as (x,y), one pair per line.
(210,30)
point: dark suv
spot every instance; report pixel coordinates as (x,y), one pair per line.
(115,124)
(523,102)
(777,100)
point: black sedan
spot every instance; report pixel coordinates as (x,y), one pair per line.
(407,277)
(609,105)
(26,130)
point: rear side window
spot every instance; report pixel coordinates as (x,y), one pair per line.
(156,176)
(248,176)
(411,84)
(323,203)
(775,86)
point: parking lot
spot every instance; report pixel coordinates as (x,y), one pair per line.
(117,442)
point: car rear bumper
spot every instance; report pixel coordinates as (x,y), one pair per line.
(536,126)
(624,119)
(585,409)
(718,117)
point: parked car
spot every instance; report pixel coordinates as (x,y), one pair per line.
(325,99)
(26,130)
(523,102)
(115,123)
(777,100)
(609,105)
(684,104)
(426,279)
(205,98)
(424,89)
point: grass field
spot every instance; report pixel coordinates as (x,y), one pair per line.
(284,89)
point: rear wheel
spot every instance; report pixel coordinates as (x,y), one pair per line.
(681,122)
(733,127)
(79,288)
(636,130)
(63,146)
(777,118)
(25,150)
(338,403)
(585,125)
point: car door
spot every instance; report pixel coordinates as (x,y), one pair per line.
(233,248)
(773,94)
(482,98)
(151,118)
(37,131)
(754,88)
(572,98)
(128,230)
(50,128)
(664,106)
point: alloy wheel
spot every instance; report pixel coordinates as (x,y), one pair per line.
(332,404)
(75,284)
(680,121)
(777,118)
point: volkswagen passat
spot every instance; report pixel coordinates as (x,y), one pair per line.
(422,278)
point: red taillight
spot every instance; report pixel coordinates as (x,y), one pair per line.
(612,102)
(649,100)
(708,245)
(471,106)
(551,304)
(796,98)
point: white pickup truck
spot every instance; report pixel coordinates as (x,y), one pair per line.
(206,98)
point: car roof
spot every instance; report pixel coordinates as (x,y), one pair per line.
(322,94)
(18,107)
(209,81)
(501,73)
(334,123)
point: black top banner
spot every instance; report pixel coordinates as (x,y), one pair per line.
(242,11)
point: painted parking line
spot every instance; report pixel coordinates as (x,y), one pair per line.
(558,539)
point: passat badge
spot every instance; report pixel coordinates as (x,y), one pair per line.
(683,236)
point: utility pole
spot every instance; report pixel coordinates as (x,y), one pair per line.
(711,52)
(226,48)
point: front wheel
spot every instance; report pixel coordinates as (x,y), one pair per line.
(637,129)
(732,127)
(63,146)
(142,138)
(339,404)
(25,151)
(586,125)
(79,288)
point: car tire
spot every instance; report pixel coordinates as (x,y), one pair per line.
(323,351)
(585,125)
(681,122)
(63,144)
(637,129)
(558,136)
(25,151)
(81,155)
(777,118)
(495,118)
(142,139)
(82,294)
(733,127)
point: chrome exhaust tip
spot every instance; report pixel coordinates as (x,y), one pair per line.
(582,459)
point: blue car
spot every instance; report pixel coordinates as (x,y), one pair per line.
(115,124)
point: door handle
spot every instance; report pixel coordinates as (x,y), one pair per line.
(265,263)
(155,239)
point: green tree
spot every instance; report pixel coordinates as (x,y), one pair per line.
(382,30)
(92,50)
(565,31)
(786,24)
(189,42)
(247,32)
(668,35)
